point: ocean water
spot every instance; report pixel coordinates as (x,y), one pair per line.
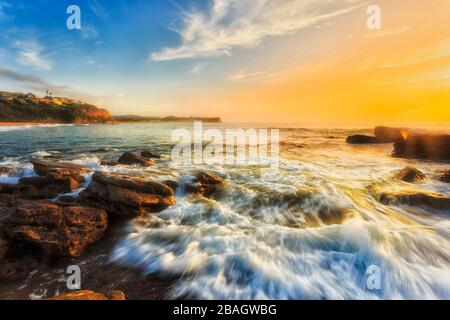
(311,233)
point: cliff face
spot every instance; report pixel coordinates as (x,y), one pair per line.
(18,107)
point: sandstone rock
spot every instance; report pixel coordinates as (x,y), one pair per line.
(129,158)
(8,188)
(433,147)
(57,229)
(90,295)
(7,170)
(126,196)
(361,139)
(3,248)
(390,135)
(446,177)
(46,187)
(205,184)
(172,184)
(410,174)
(58,170)
(417,198)
(150,155)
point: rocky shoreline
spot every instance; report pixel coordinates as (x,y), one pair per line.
(46,226)
(409,143)
(43,229)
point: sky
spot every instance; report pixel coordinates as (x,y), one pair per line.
(305,61)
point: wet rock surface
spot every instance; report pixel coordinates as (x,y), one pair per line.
(126,196)
(431,147)
(205,184)
(90,295)
(129,158)
(56,229)
(446,177)
(410,174)
(432,200)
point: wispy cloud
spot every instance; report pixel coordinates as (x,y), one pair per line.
(30,53)
(89,32)
(197,69)
(243,75)
(31,81)
(245,23)
(3,15)
(98,9)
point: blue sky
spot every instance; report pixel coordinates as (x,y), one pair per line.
(239,59)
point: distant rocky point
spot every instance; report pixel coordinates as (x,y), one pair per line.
(409,143)
(20,107)
(133,118)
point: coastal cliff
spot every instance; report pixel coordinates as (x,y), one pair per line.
(19,107)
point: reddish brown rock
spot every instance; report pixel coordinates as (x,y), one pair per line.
(90,295)
(432,147)
(126,196)
(446,177)
(8,188)
(150,155)
(410,174)
(57,229)
(390,135)
(205,184)
(58,170)
(129,158)
(417,199)
(361,139)
(46,187)
(3,248)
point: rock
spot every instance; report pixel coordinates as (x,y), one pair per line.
(46,187)
(172,184)
(150,155)
(446,177)
(56,229)
(58,170)
(126,196)
(416,198)
(205,184)
(361,139)
(8,188)
(7,170)
(390,135)
(90,295)
(3,248)
(432,147)
(129,158)
(410,174)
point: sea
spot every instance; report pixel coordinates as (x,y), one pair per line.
(315,231)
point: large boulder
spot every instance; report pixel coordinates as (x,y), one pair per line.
(432,147)
(361,139)
(46,187)
(58,170)
(410,174)
(446,177)
(126,196)
(416,199)
(390,135)
(129,158)
(53,178)
(3,248)
(57,229)
(150,155)
(90,295)
(205,184)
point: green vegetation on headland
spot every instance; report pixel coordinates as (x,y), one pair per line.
(133,118)
(20,107)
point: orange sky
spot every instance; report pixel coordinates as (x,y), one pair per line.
(400,74)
